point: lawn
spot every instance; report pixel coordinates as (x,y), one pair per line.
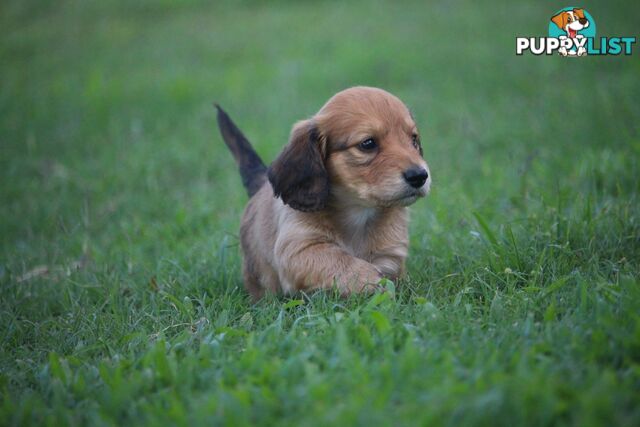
(121,298)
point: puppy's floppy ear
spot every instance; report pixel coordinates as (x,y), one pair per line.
(298,176)
(560,20)
(579,12)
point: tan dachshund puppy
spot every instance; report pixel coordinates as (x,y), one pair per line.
(331,210)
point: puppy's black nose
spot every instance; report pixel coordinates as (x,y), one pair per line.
(416,177)
(583,21)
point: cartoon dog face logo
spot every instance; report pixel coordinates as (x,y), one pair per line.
(571,21)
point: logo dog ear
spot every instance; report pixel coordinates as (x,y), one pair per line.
(560,20)
(579,12)
(298,176)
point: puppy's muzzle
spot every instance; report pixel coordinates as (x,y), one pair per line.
(416,176)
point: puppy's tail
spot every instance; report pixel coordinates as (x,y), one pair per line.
(252,170)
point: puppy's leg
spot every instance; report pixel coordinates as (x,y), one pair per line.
(390,266)
(308,266)
(563,45)
(251,281)
(581,50)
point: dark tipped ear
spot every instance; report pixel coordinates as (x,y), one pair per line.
(298,175)
(560,20)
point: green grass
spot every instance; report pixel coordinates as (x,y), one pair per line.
(121,300)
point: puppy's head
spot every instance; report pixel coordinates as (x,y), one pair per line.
(571,21)
(362,148)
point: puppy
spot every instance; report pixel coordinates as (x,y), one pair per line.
(331,210)
(571,21)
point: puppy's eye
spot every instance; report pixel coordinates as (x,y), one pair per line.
(368,144)
(415,141)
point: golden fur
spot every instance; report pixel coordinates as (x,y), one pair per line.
(332,213)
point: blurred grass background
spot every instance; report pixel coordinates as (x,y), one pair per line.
(120,209)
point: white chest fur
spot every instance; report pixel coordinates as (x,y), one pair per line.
(376,237)
(358,226)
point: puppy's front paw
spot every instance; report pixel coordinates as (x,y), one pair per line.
(364,279)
